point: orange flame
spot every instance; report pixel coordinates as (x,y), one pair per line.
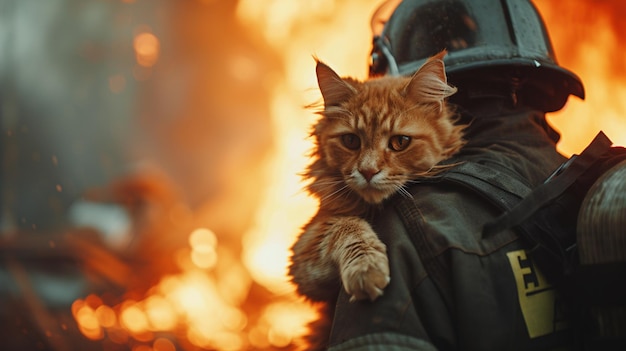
(205,310)
(588,39)
(146,47)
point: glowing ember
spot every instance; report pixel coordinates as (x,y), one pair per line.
(146,49)
(203,244)
(87,321)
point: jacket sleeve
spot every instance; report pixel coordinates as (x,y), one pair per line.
(395,320)
(384,342)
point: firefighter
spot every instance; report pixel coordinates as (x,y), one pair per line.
(475,261)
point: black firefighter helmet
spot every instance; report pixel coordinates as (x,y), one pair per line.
(496,43)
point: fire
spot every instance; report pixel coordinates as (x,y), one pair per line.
(146,47)
(203,244)
(201,310)
(588,39)
(207,304)
(189,303)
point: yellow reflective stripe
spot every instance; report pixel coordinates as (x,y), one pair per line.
(537,298)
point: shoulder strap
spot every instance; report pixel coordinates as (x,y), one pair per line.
(498,187)
(553,187)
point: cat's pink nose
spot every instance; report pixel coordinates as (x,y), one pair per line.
(369,173)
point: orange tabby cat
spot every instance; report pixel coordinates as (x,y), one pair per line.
(372,139)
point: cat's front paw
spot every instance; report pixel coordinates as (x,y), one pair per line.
(367,275)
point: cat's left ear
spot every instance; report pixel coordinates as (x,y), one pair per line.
(429,83)
(335,90)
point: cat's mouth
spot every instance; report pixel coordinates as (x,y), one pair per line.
(373,193)
(373,188)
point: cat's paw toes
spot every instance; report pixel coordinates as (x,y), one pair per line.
(366,276)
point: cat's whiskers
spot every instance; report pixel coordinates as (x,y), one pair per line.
(402,190)
(346,194)
(399,185)
(328,182)
(435,170)
(336,193)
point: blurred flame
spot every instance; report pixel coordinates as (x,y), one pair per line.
(588,39)
(203,244)
(87,320)
(163,344)
(106,316)
(206,310)
(146,47)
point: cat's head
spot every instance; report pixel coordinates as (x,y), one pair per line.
(377,135)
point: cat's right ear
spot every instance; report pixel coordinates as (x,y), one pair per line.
(429,83)
(335,90)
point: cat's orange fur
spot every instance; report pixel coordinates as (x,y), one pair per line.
(372,139)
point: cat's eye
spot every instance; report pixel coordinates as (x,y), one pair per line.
(351,141)
(399,142)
